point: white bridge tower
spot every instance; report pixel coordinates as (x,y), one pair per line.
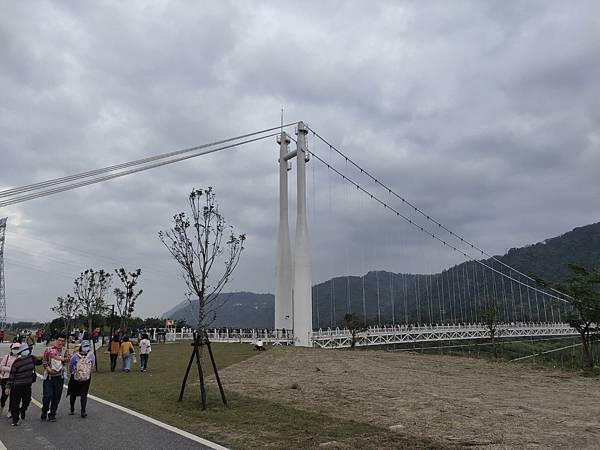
(293,293)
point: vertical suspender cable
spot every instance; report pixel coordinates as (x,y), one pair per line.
(405,298)
(378,304)
(437,285)
(392,301)
(476,293)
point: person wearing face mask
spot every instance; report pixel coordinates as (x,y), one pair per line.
(80,368)
(5,365)
(54,361)
(22,376)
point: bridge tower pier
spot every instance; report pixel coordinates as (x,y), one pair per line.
(283,277)
(298,299)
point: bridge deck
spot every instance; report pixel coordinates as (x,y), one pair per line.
(398,334)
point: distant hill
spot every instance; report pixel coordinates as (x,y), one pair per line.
(239,310)
(419,297)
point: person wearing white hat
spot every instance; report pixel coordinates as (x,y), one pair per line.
(80,368)
(5,365)
(22,376)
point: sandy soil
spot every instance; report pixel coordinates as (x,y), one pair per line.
(451,400)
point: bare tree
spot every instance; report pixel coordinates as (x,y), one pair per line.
(197,242)
(90,288)
(68,307)
(126,297)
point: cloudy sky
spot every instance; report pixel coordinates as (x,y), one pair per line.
(485,114)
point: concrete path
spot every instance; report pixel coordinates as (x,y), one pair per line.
(107,426)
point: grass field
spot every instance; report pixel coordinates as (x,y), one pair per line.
(249,422)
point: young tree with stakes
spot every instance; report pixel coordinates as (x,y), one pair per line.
(196,242)
(490,319)
(126,297)
(68,307)
(355,325)
(90,288)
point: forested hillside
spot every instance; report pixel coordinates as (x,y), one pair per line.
(458,294)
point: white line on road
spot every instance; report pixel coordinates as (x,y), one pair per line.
(178,431)
(153,421)
(2,446)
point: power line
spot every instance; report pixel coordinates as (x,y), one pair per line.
(35,186)
(44,193)
(422,213)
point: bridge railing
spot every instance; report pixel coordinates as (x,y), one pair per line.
(383,335)
(398,334)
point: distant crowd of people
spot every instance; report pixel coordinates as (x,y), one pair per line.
(122,346)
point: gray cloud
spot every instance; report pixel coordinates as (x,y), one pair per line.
(483,114)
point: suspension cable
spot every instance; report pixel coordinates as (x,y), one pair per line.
(426,231)
(65,179)
(422,213)
(44,193)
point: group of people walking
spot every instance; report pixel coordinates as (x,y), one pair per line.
(17,374)
(122,346)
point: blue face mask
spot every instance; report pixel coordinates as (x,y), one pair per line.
(25,353)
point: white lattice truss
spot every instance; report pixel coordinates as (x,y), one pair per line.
(340,338)
(399,334)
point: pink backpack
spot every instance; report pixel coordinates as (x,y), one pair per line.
(83,369)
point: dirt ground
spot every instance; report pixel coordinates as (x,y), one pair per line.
(450,400)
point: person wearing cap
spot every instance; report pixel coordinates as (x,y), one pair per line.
(80,368)
(5,365)
(54,360)
(22,376)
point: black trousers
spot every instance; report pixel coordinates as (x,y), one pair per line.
(20,397)
(113,362)
(82,401)
(4,396)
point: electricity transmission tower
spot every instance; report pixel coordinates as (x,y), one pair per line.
(2,293)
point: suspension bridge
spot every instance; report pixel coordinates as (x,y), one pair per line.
(394,307)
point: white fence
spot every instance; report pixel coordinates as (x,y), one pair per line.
(399,334)
(385,335)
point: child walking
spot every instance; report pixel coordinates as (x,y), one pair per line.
(145,349)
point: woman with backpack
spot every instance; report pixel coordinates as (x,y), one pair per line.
(5,365)
(80,368)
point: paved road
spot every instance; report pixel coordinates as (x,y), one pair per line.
(105,427)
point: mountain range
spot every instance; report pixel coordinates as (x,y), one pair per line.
(459,293)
